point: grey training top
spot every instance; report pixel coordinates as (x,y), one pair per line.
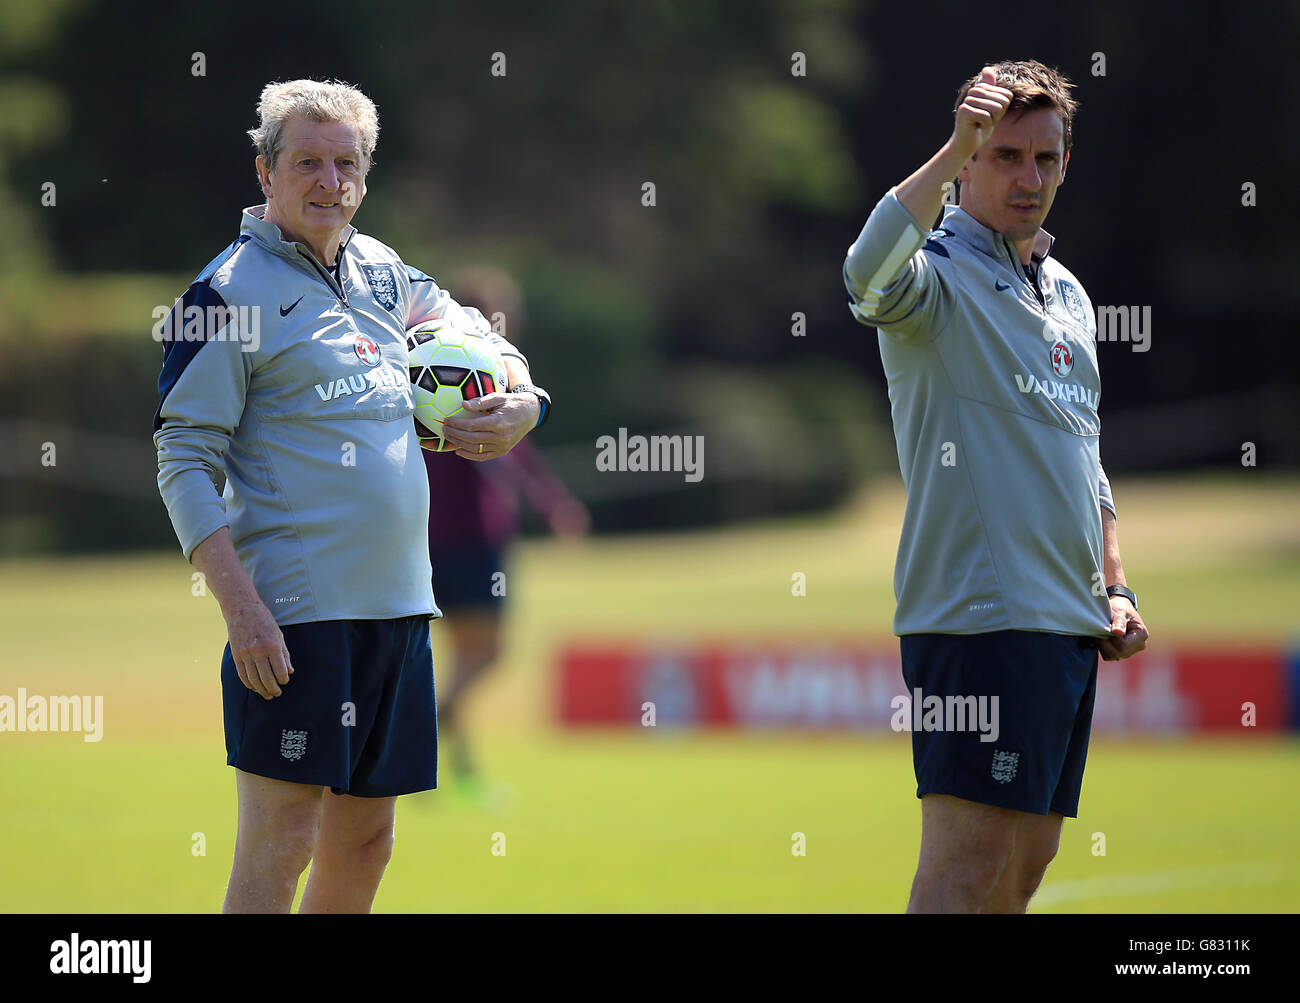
(994,389)
(294,383)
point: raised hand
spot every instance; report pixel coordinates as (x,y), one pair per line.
(980,113)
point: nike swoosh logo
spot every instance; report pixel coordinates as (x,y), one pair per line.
(998,284)
(284,310)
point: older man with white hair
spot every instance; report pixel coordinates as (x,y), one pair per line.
(316,551)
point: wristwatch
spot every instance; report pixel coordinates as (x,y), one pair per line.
(1121,590)
(543,400)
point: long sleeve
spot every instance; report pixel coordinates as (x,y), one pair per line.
(1104,494)
(890,286)
(202,388)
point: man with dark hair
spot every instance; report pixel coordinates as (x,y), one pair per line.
(1008,576)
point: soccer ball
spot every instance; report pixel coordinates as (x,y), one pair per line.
(448,366)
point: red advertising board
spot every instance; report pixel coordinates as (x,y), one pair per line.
(849,687)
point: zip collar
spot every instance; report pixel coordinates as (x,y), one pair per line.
(965,226)
(254,223)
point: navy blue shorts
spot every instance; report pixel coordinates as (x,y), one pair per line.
(464,575)
(358,714)
(1045,685)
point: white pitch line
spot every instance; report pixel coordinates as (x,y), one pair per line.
(1157,882)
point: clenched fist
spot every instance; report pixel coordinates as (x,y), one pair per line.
(980,113)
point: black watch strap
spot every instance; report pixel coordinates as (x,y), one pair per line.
(1122,590)
(543,400)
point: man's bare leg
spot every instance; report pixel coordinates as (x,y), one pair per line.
(965,848)
(1038,837)
(277,831)
(353,847)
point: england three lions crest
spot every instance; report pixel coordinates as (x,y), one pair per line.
(293,744)
(1004,765)
(1073,302)
(383,283)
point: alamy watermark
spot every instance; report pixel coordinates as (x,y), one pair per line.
(679,453)
(1131,324)
(75,956)
(918,712)
(57,713)
(209,323)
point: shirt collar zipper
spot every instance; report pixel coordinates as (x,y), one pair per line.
(323,272)
(1019,269)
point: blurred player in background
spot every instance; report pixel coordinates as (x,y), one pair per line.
(1008,576)
(473,521)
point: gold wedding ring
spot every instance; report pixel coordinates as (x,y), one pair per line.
(480,447)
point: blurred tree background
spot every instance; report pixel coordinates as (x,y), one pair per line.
(672,318)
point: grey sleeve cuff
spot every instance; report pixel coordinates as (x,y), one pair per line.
(891,286)
(187,460)
(1104,494)
(196,509)
(889,238)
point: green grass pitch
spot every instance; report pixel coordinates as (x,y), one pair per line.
(649,820)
